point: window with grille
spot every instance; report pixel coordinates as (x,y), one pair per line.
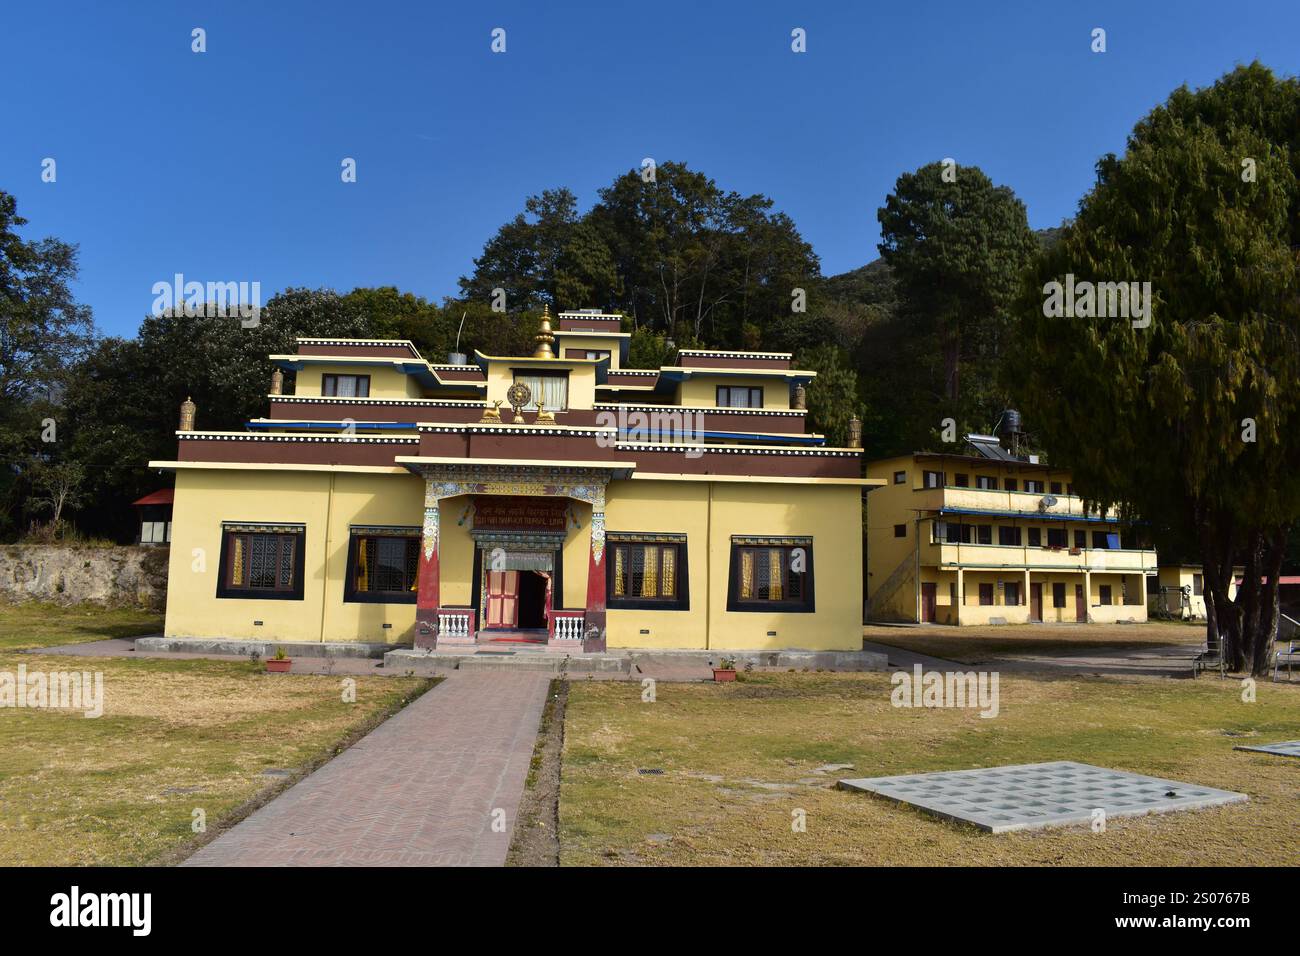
(647,572)
(383,566)
(258,563)
(771,575)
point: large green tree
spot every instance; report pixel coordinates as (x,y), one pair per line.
(1189,421)
(43,332)
(957,246)
(679,255)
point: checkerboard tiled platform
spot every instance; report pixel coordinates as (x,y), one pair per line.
(1285,748)
(1030,796)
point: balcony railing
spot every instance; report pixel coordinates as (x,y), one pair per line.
(455,624)
(566,626)
(1121,560)
(1020,503)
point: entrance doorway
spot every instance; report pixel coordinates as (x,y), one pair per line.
(1035,602)
(929,598)
(517,600)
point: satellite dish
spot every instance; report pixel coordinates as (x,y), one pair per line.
(1047,502)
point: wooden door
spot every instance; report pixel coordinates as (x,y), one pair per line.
(503,599)
(1080,605)
(1035,602)
(929,599)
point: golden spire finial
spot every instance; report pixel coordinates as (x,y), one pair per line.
(544,338)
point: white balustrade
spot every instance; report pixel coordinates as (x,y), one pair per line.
(453,624)
(568,627)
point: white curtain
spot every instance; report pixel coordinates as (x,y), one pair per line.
(553,389)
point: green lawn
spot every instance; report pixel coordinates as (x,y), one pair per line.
(738,759)
(176,736)
(36,624)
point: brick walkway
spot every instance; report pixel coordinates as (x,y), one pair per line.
(419,790)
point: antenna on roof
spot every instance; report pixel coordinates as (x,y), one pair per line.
(458,357)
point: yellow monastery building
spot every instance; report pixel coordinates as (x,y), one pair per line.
(995,537)
(557,498)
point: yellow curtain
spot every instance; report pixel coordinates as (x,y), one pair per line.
(746,573)
(669,588)
(363,574)
(618,570)
(650,574)
(237,564)
(774,591)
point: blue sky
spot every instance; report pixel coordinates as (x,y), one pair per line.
(225,165)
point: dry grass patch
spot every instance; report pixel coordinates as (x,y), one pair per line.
(739,759)
(175,736)
(971,645)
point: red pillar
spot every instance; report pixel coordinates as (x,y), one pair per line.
(426,599)
(594,628)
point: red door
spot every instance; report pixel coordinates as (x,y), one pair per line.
(1080,605)
(929,598)
(1035,602)
(503,599)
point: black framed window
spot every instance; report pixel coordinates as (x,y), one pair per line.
(986,595)
(1008,536)
(261,562)
(1056,538)
(739,396)
(771,574)
(345,386)
(986,482)
(383,566)
(984,534)
(932,479)
(900,477)
(900,531)
(1010,484)
(1058,595)
(1104,595)
(1033,487)
(962,481)
(1035,537)
(646,572)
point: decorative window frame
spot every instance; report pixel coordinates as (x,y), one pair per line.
(682,601)
(231,528)
(355,533)
(807,605)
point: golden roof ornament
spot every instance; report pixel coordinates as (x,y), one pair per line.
(519,395)
(492,416)
(544,338)
(543,415)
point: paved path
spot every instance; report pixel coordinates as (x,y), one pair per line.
(419,790)
(900,659)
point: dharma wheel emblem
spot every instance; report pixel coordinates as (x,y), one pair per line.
(519,395)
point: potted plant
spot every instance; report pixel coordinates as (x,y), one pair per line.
(279,664)
(725,670)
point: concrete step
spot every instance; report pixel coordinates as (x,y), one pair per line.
(423,663)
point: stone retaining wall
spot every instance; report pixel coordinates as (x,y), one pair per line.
(71,575)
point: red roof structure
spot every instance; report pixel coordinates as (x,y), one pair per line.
(163,496)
